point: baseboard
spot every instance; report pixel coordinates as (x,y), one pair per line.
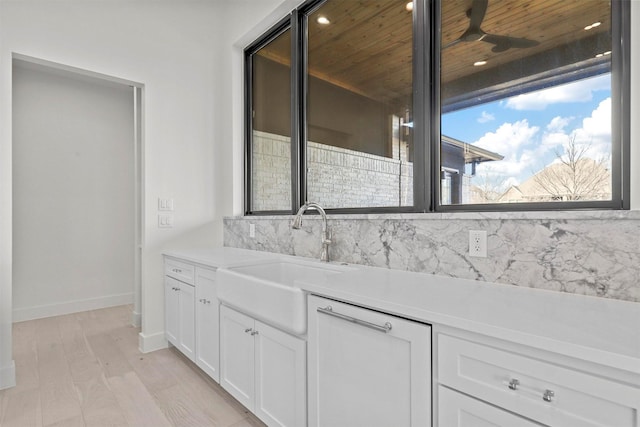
(8,376)
(151,342)
(39,312)
(136,319)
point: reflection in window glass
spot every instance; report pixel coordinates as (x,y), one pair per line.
(526,101)
(359,137)
(271,125)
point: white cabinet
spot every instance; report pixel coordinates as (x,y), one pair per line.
(207,331)
(366,368)
(191,313)
(180,315)
(539,386)
(263,368)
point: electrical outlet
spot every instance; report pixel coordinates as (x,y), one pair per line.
(478,243)
(252,230)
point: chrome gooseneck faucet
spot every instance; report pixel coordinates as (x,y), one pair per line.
(296,224)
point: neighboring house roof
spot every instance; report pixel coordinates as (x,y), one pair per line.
(472,153)
(534,189)
(513,194)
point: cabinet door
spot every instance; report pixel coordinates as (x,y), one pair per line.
(237,355)
(459,410)
(171,310)
(280,377)
(366,368)
(187,322)
(207,323)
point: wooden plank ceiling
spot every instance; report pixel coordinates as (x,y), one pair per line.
(367,47)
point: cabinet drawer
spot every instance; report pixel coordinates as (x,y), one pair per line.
(540,390)
(179,270)
(459,410)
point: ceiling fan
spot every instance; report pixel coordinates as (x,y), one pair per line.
(475,33)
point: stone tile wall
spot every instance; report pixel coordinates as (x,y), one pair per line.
(591,253)
(338,177)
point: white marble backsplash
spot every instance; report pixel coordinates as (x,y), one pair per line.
(589,253)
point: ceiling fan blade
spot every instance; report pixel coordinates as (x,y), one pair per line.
(478,10)
(503,43)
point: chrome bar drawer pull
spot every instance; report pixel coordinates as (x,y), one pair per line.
(548,395)
(514,383)
(329,311)
(177,270)
(248,330)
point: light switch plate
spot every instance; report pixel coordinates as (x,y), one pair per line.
(165,220)
(165,205)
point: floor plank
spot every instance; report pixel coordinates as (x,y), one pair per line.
(139,407)
(109,355)
(59,401)
(99,405)
(22,410)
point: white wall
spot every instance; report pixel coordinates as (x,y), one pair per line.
(180,51)
(73,192)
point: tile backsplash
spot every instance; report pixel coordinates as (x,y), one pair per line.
(590,253)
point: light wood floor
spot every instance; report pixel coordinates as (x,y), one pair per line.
(85,369)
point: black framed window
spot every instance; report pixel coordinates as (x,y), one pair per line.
(268,123)
(433,105)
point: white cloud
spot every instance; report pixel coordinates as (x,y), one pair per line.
(596,131)
(598,126)
(508,138)
(557,124)
(580,91)
(486,117)
(511,141)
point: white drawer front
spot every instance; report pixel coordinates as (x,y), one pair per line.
(459,410)
(545,392)
(179,270)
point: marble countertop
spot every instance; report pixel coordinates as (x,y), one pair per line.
(599,330)
(219,257)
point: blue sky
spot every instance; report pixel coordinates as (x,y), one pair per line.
(529,129)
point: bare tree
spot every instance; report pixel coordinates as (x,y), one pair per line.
(575,176)
(488,186)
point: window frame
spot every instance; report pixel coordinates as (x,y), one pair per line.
(281,27)
(427,115)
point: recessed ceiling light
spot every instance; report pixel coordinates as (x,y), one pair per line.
(323,20)
(595,24)
(479,63)
(409,6)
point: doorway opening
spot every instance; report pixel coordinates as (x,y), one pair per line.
(77,186)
